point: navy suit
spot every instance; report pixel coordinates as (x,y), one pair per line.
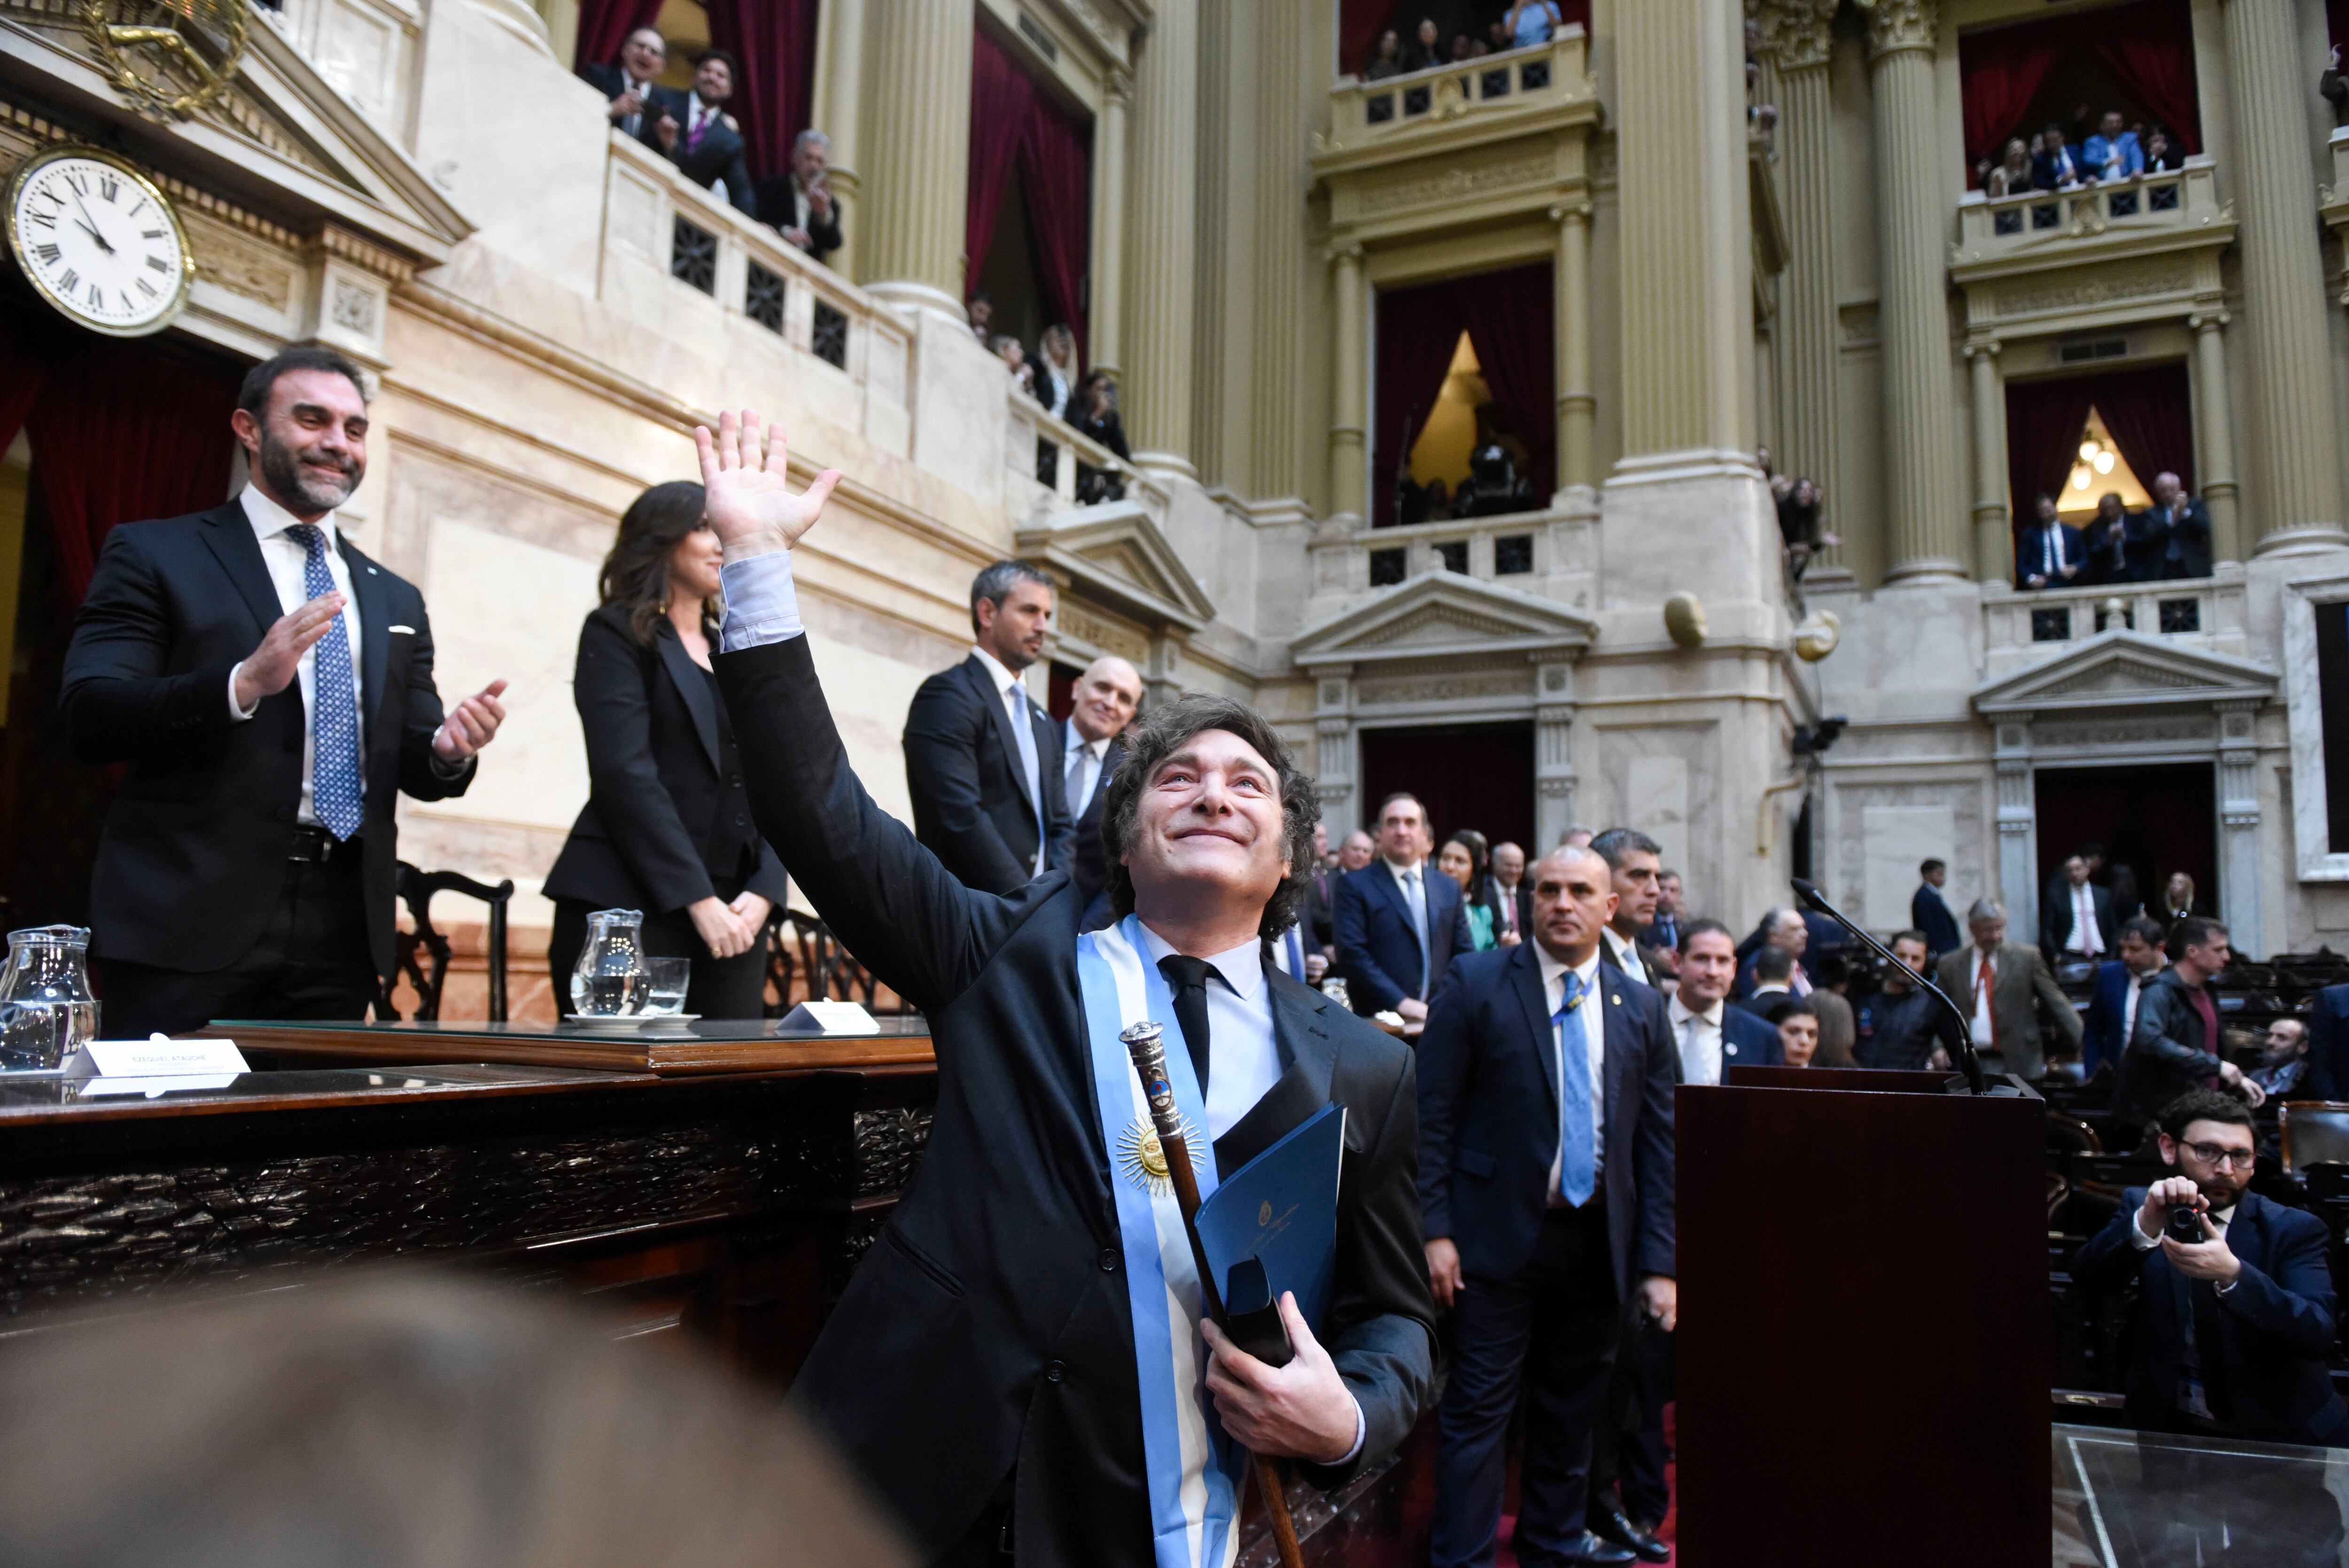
(2101,1039)
(2328,1045)
(1748,1040)
(2270,1333)
(1544,1285)
(2168,542)
(2032,551)
(1089,863)
(1930,913)
(969,786)
(1379,945)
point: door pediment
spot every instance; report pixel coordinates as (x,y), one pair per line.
(1443,615)
(1117,555)
(2125,669)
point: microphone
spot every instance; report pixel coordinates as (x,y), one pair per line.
(1957,1029)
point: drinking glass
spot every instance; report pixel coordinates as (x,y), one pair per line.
(47,1010)
(670,979)
(609,980)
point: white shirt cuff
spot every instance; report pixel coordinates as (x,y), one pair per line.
(1362,1433)
(238,715)
(2137,1238)
(762,603)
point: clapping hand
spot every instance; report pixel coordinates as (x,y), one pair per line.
(470,725)
(746,499)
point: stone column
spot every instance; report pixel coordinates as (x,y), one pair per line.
(1798,36)
(1919,433)
(2296,435)
(1333,735)
(1162,287)
(1104,344)
(1993,524)
(1554,777)
(919,155)
(1570,310)
(1347,491)
(2214,431)
(2241,866)
(1283,178)
(2018,866)
(838,99)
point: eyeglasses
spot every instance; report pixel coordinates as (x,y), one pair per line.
(2213,1155)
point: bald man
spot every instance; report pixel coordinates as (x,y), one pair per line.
(1106,697)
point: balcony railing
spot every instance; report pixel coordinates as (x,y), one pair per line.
(673,252)
(1535,77)
(1525,550)
(2021,627)
(2012,226)
(1033,433)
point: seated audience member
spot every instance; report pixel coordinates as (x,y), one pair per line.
(2232,1332)
(2049,554)
(2002,988)
(1463,859)
(1531,21)
(2162,156)
(1839,1030)
(2059,166)
(981,310)
(2120,986)
(2104,540)
(2283,1071)
(1797,1022)
(1785,930)
(662,831)
(1426,49)
(1096,417)
(2174,1048)
(1930,913)
(2076,924)
(805,214)
(2113,153)
(1710,1034)
(1768,978)
(2177,901)
(636,106)
(1896,1024)
(1388,61)
(2012,176)
(2171,538)
(705,143)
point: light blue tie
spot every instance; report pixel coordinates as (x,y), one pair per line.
(1415,894)
(1024,733)
(1578,1161)
(336,781)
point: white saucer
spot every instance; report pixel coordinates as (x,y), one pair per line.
(627,1023)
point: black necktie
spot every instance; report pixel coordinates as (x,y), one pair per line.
(1187,978)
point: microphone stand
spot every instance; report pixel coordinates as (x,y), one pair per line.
(1145,1043)
(1957,1029)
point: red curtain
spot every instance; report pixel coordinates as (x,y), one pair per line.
(774,43)
(2044,421)
(1359,22)
(1506,316)
(605,25)
(1001,97)
(84,403)
(2150,416)
(1056,171)
(2148,47)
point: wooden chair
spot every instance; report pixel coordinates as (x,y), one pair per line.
(2313,1132)
(416,889)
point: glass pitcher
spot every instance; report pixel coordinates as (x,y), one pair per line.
(47,1011)
(611,978)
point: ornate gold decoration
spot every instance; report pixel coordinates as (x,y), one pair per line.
(1144,1159)
(170,57)
(1816,637)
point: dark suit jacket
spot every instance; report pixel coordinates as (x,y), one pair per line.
(2153,536)
(2029,554)
(971,805)
(2274,1328)
(1929,913)
(666,816)
(2328,1045)
(1378,944)
(2065,167)
(777,198)
(988,1326)
(610,80)
(1089,858)
(2170,1050)
(2056,919)
(718,155)
(2023,986)
(1748,1039)
(2101,1038)
(194,855)
(1488,1115)
(1321,905)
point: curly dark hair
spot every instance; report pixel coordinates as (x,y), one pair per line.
(635,573)
(1154,737)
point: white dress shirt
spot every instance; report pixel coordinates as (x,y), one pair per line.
(1592,1016)
(1626,954)
(1243,1060)
(1700,1039)
(2137,985)
(2084,940)
(1093,752)
(1985,1031)
(1013,696)
(287,561)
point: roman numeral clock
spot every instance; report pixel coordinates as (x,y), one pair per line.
(99,241)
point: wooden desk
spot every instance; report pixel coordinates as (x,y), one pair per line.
(684,1050)
(731,1207)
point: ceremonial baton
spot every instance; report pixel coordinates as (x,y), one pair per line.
(1146,1044)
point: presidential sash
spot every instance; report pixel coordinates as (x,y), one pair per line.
(1194,1470)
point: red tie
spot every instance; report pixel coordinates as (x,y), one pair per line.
(1983,982)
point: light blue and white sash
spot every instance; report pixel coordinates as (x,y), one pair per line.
(1194,1468)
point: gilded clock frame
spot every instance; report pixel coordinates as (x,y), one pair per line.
(32,164)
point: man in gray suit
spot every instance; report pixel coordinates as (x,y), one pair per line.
(1104,699)
(1994,982)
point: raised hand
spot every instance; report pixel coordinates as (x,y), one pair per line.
(472,723)
(745,496)
(271,667)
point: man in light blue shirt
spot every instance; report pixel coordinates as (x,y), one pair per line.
(2113,153)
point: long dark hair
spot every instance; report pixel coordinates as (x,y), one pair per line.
(1481,886)
(636,575)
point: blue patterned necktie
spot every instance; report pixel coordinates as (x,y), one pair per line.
(333,704)
(1578,1161)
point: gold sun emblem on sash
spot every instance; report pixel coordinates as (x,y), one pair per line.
(1144,1159)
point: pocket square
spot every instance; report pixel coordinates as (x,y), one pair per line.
(395,631)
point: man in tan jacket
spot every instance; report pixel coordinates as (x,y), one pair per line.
(1993,982)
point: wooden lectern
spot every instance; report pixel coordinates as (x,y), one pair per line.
(1864,1354)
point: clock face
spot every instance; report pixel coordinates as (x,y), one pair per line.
(99,240)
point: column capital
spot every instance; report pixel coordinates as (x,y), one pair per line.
(2209,318)
(1897,25)
(1797,35)
(1344,251)
(1117,86)
(1579,209)
(1982,348)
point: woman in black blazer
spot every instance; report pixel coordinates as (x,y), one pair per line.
(666,828)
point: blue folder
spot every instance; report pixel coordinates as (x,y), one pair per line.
(1281,1209)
